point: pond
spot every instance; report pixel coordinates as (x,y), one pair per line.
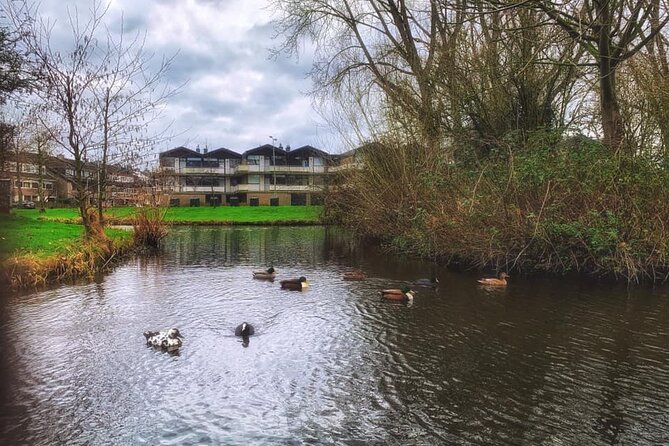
(539,362)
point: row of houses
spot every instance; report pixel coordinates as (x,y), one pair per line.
(263,175)
(50,179)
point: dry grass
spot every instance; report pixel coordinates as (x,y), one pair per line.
(558,207)
(81,260)
(149,226)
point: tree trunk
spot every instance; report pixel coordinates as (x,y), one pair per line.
(612,124)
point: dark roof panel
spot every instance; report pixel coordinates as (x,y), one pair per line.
(179,152)
(223,153)
(266,150)
(310,150)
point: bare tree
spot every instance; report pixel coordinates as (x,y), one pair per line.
(379,47)
(101,95)
(129,95)
(610,31)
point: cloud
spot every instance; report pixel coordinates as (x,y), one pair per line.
(236,95)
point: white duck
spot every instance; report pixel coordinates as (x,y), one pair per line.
(169,340)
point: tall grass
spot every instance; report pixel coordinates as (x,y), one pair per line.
(149,226)
(550,204)
(76,260)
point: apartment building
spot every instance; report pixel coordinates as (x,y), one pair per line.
(263,175)
(51,179)
(30,180)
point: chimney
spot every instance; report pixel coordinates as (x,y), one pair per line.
(197,150)
(288,148)
(205,151)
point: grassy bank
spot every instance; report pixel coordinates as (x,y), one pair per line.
(38,248)
(24,233)
(35,252)
(222,215)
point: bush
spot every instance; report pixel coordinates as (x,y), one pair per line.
(553,204)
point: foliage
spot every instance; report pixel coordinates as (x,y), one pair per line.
(556,204)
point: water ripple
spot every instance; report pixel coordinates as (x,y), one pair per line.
(536,363)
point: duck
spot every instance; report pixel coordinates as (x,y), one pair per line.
(244,329)
(169,340)
(268,274)
(501,281)
(432,281)
(353,275)
(295,284)
(404,294)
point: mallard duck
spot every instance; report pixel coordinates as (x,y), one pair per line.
(168,340)
(495,282)
(353,275)
(432,281)
(268,274)
(244,329)
(295,284)
(405,294)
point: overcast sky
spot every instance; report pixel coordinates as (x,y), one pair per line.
(236,96)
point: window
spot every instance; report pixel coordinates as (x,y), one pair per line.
(280,179)
(253,160)
(297,180)
(48,186)
(254,179)
(28,168)
(210,162)
(193,162)
(318,161)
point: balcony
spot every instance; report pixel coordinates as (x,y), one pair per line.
(205,170)
(266,168)
(201,189)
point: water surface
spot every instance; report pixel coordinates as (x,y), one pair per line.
(541,362)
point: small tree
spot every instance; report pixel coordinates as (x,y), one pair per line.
(99,95)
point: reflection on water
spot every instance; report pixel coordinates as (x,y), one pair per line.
(540,362)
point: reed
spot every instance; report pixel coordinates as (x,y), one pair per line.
(75,261)
(149,226)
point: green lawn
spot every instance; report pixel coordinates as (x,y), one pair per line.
(240,214)
(244,214)
(28,231)
(23,233)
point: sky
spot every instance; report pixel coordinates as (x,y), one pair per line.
(235,95)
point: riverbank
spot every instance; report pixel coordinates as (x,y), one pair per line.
(41,248)
(552,205)
(35,252)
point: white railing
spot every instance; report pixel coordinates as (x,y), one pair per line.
(205,189)
(201,170)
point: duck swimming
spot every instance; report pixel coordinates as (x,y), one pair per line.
(169,340)
(432,281)
(353,275)
(495,282)
(268,274)
(404,294)
(294,284)
(244,329)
